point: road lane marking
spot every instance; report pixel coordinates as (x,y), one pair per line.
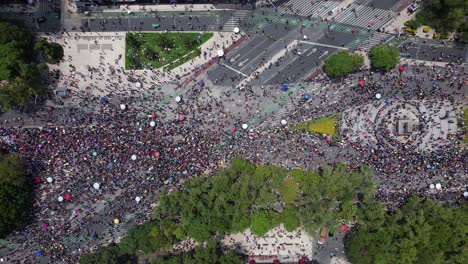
(231,68)
(323,45)
(313,51)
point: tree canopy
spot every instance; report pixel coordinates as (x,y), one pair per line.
(342,63)
(384,56)
(108,255)
(211,253)
(246,195)
(51,52)
(419,232)
(15,194)
(15,49)
(445,15)
(21,76)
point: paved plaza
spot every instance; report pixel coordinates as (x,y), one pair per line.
(420,125)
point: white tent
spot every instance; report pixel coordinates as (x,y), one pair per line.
(152,124)
(96,186)
(378,96)
(305,36)
(137,199)
(49,179)
(465,194)
(178,99)
(236,30)
(245,126)
(137,84)
(60,199)
(438,186)
(431,186)
(134,157)
(122,106)
(284,122)
(220,53)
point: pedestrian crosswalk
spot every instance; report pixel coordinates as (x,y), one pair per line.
(43,8)
(367,41)
(365,16)
(307,8)
(235,19)
(376,39)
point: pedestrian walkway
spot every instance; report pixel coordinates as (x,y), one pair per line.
(375,39)
(235,20)
(365,16)
(316,9)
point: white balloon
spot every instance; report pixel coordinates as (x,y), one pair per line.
(438,186)
(122,106)
(178,99)
(152,124)
(137,199)
(96,186)
(138,84)
(49,179)
(305,36)
(134,157)
(220,53)
(60,199)
(465,194)
(378,96)
(245,126)
(431,186)
(284,122)
(236,30)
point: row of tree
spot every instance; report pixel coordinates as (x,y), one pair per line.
(15,194)
(21,75)
(244,196)
(382,57)
(419,232)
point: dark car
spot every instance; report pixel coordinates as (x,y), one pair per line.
(41,19)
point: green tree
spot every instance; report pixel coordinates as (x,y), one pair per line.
(444,15)
(384,56)
(419,232)
(15,193)
(107,255)
(210,253)
(288,190)
(342,63)
(263,221)
(289,218)
(51,52)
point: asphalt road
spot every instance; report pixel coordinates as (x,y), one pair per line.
(434,53)
(293,67)
(210,22)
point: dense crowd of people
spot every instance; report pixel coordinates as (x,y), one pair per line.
(133,160)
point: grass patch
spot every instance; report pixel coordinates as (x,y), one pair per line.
(183,60)
(288,190)
(323,125)
(155,50)
(465,113)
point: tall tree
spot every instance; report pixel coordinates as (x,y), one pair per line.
(384,56)
(15,193)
